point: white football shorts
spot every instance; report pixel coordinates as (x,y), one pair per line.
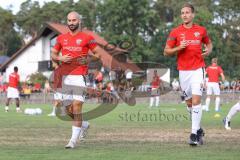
(74,87)
(191,82)
(12,92)
(213,88)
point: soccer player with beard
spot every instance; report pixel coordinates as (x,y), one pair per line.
(186,41)
(74,47)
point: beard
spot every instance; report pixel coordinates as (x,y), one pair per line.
(73,27)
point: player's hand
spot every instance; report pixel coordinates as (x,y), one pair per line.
(95,58)
(183,44)
(55,67)
(82,61)
(65,58)
(205,51)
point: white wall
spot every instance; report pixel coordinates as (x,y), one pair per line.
(163,73)
(27,62)
(46,46)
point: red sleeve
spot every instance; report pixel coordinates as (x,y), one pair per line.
(205,38)
(172,39)
(58,45)
(92,43)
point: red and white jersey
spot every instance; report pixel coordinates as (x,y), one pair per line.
(189,58)
(213,72)
(156,82)
(13,80)
(76,46)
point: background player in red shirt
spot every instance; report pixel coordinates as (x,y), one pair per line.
(74,47)
(214,71)
(57,96)
(186,42)
(12,90)
(155,92)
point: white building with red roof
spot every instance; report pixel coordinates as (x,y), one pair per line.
(35,55)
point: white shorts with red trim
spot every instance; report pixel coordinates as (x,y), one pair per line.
(191,82)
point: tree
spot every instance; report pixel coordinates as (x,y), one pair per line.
(228,15)
(146,24)
(28,18)
(131,20)
(10,41)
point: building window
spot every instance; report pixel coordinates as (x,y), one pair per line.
(53,41)
(45,66)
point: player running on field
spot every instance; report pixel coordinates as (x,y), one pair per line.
(74,47)
(185,41)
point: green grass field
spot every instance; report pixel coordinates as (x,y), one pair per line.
(125,133)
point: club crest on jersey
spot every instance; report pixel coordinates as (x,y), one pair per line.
(78,41)
(196,34)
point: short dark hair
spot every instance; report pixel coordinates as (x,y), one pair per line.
(214,60)
(15,69)
(189,6)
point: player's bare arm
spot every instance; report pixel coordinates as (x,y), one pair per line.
(168,51)
(97,52)
(56,57)
(54,64)
(223,77)
(207,49)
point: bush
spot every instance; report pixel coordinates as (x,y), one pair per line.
(38,78)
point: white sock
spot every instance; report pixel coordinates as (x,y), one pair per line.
(6,108)
(217,104)
(54,110)
(85,124)
(75,133)
(208,100)
(157,101)
(233,111)
(196,118)
(18,109)
(151,101)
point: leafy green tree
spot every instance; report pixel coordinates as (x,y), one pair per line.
(38,78)
(129,19)
(146,24)
(10,41)
(28,18)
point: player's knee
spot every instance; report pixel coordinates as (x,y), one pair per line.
(196,102)
(77,104)
(189,102)
(77,107)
